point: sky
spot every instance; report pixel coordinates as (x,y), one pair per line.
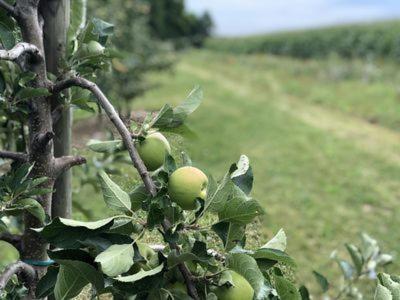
(243,17)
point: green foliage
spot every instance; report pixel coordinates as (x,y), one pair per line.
(169,20)
(135,52)
(379,40)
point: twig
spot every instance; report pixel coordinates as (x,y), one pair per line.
(136,160)
(25,273)
(63,163)
(23,54)
(115,119)
(8,7)
(17,156)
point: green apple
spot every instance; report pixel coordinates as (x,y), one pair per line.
(185,185)
(241,289)
(153,150)
(92,48)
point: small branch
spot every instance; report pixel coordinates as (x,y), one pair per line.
(62,164)
(8,7)
(17,156)
(23,54)
(25,273)
(12,239)
(116,120)
(187,276)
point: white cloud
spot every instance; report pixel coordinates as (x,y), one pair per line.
(239,17)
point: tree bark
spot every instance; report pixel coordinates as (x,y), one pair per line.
(56,14)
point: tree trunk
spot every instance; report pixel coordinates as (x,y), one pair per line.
(56,15)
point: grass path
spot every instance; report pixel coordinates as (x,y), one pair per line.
(373,138)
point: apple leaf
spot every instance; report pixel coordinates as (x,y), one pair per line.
(140,275)
(231,234)
(240,210)
(174,258)
(393,286)
(105,146)
(169,117)
(356,257)
(73,276)
(286,290)
(278,242)
(243,175)
(116,259)
(274,255)
(45,286)
(382,293)
(216,199)
(66,233)
(322,281)
(114,196)
(247,266)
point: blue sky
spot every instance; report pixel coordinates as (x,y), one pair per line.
(241,17)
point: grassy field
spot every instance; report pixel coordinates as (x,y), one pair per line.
(323,137)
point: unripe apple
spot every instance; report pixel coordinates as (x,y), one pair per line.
(153,150)
(241,289)
(95,48)
(185,185)
(92,48)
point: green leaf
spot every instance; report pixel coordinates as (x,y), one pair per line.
(34,208)
(275,255)
(247,266)
(322,281)
(66,233)
(73,276)
(82,103)
(25,78)
(140,275)
(356,257)
(114,196)
(346,268)
(175,259)
(105,146)
(278,242)
(46,284)
(286,290)
(216,200)
(390,284)
(240,210)
(169,117)
(382,293)
(77,18)
(304,293)
(7,38)
(116,260)
(102,29)
(231,234)
(30,92)
(243,175)
(191,103)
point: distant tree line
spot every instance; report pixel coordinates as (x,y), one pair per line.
(169,20)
